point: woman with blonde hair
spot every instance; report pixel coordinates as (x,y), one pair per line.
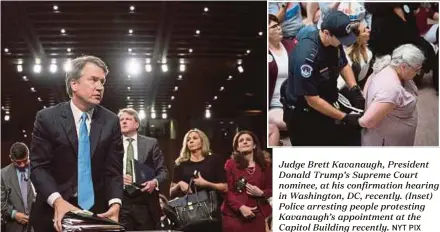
(196,161)
(249,178)
(390,118)
(358,56)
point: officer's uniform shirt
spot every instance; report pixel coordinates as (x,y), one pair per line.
(314,69)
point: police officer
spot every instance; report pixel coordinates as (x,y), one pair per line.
(310,93)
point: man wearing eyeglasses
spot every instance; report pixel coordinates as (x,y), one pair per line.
(17,194)
(310,94)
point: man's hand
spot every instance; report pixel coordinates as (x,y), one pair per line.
(112,213)
(352,120)
(149,186)
(253,190)
(357,97)
(61,208)
(22,218)
(200,181)
(128,180)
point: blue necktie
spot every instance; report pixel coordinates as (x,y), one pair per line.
(86,197)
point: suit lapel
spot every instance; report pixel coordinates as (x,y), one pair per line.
(69,126)
(14,182)
(95,130)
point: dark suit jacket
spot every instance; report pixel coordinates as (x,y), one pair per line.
(150,154)
(54,159)
(12,199)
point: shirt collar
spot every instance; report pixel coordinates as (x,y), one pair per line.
(77,112)
(134,137)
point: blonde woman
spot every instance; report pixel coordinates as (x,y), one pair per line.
(358,56)
(390,118)
(195,155)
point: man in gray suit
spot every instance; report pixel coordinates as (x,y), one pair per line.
(17,193)
(140,207)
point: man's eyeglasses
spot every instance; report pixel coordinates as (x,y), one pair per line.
(274,26)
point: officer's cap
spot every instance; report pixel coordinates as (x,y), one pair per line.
(338,23)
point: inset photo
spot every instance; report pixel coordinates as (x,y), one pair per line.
(352,74)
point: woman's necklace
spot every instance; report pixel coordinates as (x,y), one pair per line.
(251,169)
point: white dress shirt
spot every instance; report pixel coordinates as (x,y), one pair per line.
(77,113)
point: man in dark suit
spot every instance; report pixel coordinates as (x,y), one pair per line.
(76,151)
(17,194)
(140,209)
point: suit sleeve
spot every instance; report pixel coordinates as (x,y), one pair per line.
(113,166)
(233,198)
(6,206)
(41,156)
(302,67)
(159,164)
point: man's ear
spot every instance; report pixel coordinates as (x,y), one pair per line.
(73,84)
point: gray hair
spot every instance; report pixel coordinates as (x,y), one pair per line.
(77,68)
(131,112)
(406,53)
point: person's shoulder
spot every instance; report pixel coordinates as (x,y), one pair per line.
(383,82)
(7,168)
(56,109)
(288,44)
(50,114)
(230,163)
(308,44)
(148,139)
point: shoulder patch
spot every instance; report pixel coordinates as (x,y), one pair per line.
(306,70)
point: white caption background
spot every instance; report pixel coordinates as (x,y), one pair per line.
(430,217)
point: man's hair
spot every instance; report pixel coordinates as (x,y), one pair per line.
(19,151)
(131,112)
(77,68)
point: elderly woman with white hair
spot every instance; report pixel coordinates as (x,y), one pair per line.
(390,93)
